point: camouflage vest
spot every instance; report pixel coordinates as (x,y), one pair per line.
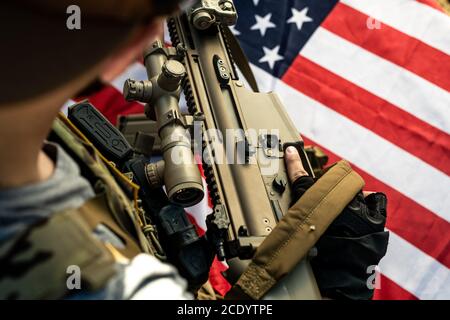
(35,263)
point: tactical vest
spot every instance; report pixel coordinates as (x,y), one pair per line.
(35,263)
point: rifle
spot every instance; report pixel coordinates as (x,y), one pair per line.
(248,199)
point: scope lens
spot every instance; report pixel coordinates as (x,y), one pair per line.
(188,197)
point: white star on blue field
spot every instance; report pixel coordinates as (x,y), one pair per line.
(263,23)
(271,56)
(272,32)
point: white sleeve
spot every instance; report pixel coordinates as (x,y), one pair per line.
(147,278)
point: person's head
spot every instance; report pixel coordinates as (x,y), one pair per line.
(47,44)
(52,49)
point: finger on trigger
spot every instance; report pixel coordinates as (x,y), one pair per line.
(294,164)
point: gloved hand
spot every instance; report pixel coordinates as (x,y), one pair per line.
(354,241)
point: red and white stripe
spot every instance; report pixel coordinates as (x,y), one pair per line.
(381,99)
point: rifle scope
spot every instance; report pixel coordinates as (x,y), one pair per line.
(178,170)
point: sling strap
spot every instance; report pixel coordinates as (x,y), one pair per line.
(240,59)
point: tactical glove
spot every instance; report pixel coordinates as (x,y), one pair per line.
(351,246)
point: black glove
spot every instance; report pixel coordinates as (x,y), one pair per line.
(354,241)
(300,186)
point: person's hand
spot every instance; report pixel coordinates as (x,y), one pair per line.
(298,176)
(294,164)
(300,179)
(354,241)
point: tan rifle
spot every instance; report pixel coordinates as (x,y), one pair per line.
(248,197)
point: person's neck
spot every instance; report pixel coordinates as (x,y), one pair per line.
(23,130)
(21,173)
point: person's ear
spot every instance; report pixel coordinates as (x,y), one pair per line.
(131,50)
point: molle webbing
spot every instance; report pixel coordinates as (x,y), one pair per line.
(299,230)
(120,207)
(96,212)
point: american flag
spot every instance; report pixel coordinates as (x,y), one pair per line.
(367,81)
